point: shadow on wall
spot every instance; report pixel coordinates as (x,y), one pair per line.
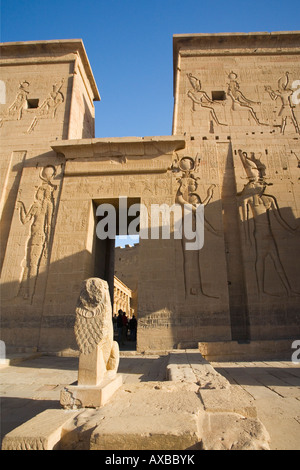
(268,244)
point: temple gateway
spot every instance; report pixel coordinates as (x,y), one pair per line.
(234,148)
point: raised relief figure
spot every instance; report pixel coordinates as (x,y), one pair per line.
(284,93)
(16,109)
(40,216)
(253,199)
(48,108)
(99,353)
(239,101)
(199,96)
(187,195)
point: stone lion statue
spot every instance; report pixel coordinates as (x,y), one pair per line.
(93,324)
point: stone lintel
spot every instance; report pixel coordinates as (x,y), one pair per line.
(118,146)
(130,155)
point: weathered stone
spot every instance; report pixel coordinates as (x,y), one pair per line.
(232,431)
(40,433)
(190,366)
(84,396)
(246,351)
(160,432)
(172,415)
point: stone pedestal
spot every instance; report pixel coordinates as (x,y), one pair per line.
(90,396)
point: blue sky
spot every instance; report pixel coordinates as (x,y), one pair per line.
(129,45)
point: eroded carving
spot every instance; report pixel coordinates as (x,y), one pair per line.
(20,106)
(199,96)
(93,326)
(48,108)
(239,101)
(40,216)
(16,109)
(255,201)
(284,93)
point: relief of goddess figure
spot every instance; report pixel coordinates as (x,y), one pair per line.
(40,216)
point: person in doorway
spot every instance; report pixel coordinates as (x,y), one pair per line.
(133,328)
(125,327)
(120,326)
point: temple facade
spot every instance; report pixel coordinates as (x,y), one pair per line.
(234,150)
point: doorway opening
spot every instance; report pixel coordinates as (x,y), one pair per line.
(117,262)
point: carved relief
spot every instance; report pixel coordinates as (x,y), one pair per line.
(162,187)
(200,97)
(148,190)
(20,105)
(239,101)
(16,109)
(40,216)
(48,108)
(187,194)
(186,165)
(93,326)
(255,201)
(286,111)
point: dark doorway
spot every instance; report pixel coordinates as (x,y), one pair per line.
(110,256)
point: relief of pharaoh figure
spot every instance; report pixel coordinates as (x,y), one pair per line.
(253,199)
(49,106)
(199,96)
(239,100)
(284,93)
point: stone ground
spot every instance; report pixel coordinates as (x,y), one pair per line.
(275,387)
(32,386)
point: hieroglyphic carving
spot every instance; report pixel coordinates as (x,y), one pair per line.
(286,111)
(199,96)
(253,198)
(162,187)
(147,190)
(239,101)
(40,215)
(48,108)
(187,194)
